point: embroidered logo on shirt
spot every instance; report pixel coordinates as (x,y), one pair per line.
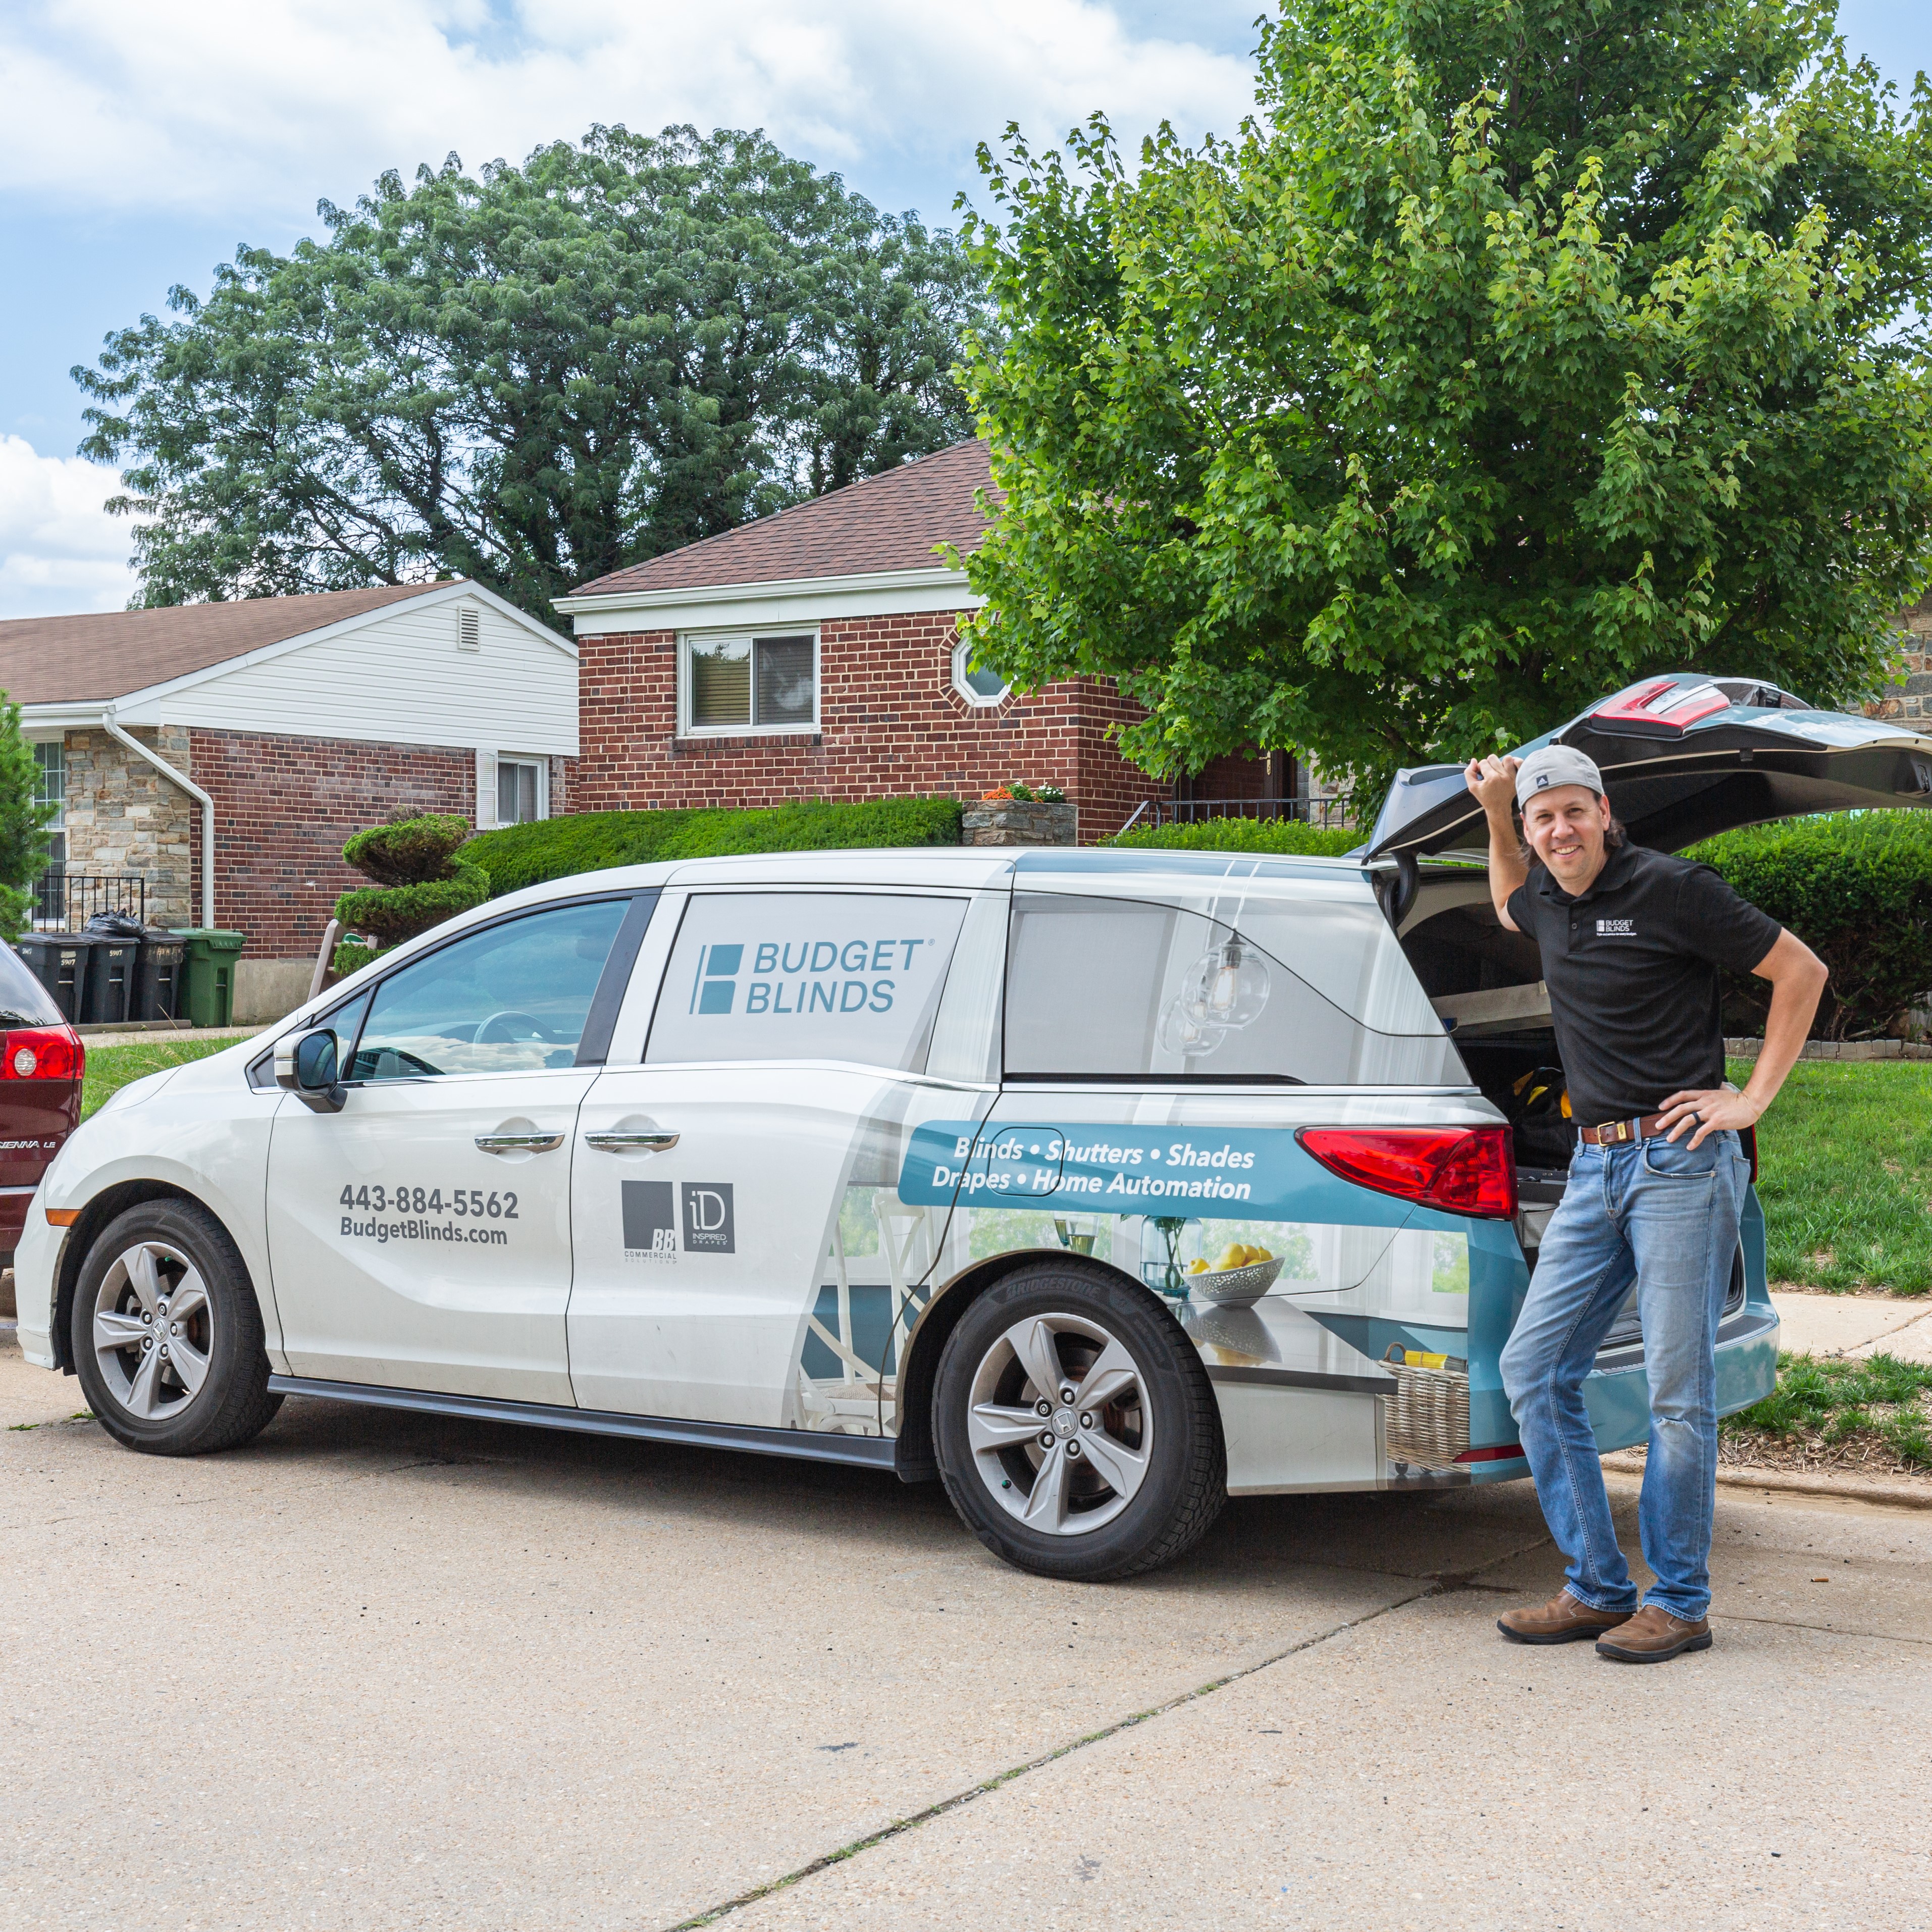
(1614,929)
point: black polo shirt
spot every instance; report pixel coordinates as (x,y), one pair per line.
(1632,968)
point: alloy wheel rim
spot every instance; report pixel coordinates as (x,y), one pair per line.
(153,1329)
(1059,1424)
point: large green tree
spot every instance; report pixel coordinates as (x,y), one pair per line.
(532,377)
(1515,349)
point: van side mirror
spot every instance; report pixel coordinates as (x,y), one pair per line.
(306,1067)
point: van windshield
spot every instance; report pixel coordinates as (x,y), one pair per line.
(1121,989)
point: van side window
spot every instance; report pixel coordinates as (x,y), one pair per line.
(512,998)
(805,976)
(1120,989)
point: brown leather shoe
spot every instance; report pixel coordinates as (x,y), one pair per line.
(1654,1635)
(1562,1620)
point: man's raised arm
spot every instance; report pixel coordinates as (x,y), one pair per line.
(1493,781)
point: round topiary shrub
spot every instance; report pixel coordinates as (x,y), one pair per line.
(418,882)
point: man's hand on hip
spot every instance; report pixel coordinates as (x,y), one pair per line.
(1711,1110)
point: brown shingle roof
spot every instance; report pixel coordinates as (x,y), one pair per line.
(108,653)
(889,522)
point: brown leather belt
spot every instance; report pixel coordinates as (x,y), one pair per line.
(1615,1133)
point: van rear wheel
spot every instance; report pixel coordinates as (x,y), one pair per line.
(1077,1432)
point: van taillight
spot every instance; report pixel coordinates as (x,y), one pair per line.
(1467,1170)
(42,1053)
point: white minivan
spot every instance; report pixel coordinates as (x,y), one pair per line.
(1099,1184)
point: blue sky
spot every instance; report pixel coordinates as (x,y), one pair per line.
(144,138)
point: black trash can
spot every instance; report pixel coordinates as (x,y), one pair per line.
(58,960)
(160,979)
(110,977)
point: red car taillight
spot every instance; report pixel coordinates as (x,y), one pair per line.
(42,1053)
(1467,1170)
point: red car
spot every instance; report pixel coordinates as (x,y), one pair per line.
(40,1065)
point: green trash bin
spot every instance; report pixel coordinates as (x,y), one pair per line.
(209,971)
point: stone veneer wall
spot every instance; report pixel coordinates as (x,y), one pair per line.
(122,816)
(1910,699)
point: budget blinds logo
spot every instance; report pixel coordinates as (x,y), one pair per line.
(715,989)
(1617,929)
(650,1220)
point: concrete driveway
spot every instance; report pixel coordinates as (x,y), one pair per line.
(376,1671)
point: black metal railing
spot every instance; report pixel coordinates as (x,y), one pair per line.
(1327,810)
(64,902)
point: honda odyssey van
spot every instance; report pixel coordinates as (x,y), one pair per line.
(1098,1184)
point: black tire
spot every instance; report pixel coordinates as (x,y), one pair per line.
(147,1406)
(1183,1478)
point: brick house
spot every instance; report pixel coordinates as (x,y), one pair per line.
(816,654)
(220,753)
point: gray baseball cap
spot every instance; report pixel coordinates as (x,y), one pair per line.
(1556,765)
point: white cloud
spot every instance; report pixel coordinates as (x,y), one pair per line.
(59,550)
(214,104)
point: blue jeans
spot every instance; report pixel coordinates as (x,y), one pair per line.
(1656,1212)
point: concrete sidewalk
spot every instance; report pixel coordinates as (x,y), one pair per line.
(1857,1325)
(383,1670)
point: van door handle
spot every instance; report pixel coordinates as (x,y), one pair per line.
(638,1143)
(519,1143)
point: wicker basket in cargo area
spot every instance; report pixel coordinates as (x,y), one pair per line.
(1426,1421)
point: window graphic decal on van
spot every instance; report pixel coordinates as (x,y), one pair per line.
(1119,1170)
(829,976)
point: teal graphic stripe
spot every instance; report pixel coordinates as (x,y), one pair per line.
(1255,1173)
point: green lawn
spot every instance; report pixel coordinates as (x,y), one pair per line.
(1845,1160)
(1834,1400)
(110,1068)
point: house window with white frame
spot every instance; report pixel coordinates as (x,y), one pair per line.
(523,789)
(50,788)
(740,681)
(975,682)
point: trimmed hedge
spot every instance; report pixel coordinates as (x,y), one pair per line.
(1857,888)
(391,914)
(420,881)
(1249,835)
(555,848)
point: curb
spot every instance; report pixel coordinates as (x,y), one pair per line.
(1840,1489)
(1736,1049)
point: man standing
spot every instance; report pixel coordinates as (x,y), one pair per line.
(1631,942)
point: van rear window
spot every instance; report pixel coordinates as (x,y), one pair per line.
(1120,989)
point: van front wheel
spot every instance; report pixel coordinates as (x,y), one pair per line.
(167,1337)
(1076,1429)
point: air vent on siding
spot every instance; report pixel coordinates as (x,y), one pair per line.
(468,629)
